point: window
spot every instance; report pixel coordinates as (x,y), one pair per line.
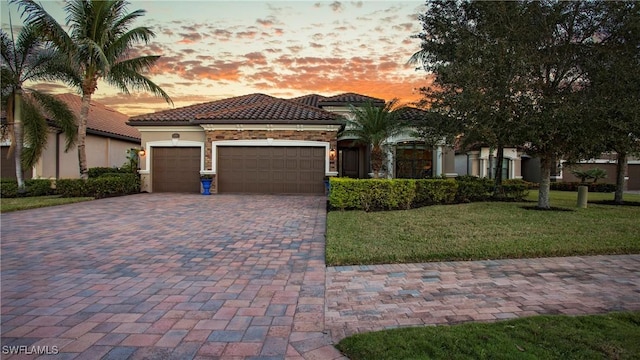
(413,160)
(505,168)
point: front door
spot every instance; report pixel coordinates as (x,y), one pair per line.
(350,163)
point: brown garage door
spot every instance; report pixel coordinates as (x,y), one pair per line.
(176,169)
(271,170)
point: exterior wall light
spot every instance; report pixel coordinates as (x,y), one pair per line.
(174,138)
(141,153)
(332,154)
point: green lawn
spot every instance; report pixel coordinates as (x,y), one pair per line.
(488,230)
(24,203)
(610,336)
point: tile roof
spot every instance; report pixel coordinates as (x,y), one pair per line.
(102,120)
(411,114)
(311,99)
(349,98)
(252,108)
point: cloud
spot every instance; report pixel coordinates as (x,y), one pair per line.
(221,34)
(246,34)
(336,6)
(265,22)
(316,45)
(256,58)
(190,38)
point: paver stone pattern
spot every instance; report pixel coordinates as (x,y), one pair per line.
(167,276)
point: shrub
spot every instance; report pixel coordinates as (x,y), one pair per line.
(39,187)
(472,188)
(33,187)
(99,171)
(515,189)
(104,186)
(573,186)
(389,194)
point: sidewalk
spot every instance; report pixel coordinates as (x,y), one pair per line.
(376,297)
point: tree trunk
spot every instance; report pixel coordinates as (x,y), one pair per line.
(82,135)
(18,138)
(497,189)
(545,183)
(620,171)
(376,161)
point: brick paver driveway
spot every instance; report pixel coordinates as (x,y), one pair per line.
(168,276)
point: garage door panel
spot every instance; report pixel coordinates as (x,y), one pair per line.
(176,169)
(279,169)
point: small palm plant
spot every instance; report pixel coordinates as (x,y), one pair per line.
(373,125)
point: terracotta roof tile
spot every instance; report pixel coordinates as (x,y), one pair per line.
(188,113)
(311,99)
(102,119)
(349,98)
(411,114)
(253,108)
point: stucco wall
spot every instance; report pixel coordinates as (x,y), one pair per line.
(101,152)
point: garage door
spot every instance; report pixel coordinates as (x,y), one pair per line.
(9,166)
(176,169)
(271,170)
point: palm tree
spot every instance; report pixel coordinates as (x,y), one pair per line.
(27,110)
(100,43)
(373,125)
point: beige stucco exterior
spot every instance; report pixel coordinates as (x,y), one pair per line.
(101,152)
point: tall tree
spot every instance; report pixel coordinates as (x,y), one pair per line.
(472,49)
(373,125)
(100,42)
(614,84)
(29,58)
(512,72)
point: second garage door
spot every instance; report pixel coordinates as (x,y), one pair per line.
(271,170)
(176,169)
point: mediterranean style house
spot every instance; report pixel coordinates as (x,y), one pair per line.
(107,142)
(257,143)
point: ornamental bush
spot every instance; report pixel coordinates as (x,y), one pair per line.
(33,187)
(389,194)
(100,187)
(573,186)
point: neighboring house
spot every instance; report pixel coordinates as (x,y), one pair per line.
(482,161)
(478,160)
(108,139)
(261,144)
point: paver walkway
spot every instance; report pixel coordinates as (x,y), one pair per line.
(367,298)
(159,276)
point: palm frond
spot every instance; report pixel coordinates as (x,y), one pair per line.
(60,114)
(35,15)
(126,74)
(6,50)
(124,42)
(35,132)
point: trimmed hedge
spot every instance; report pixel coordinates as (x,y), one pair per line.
(573,186)
(100,171)
(395,194)
(389,194)
(101,187)
(33,187)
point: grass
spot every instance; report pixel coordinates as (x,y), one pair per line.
(15,204)
(610,336)
(477,231)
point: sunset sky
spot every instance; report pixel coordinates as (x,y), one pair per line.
(214,49)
